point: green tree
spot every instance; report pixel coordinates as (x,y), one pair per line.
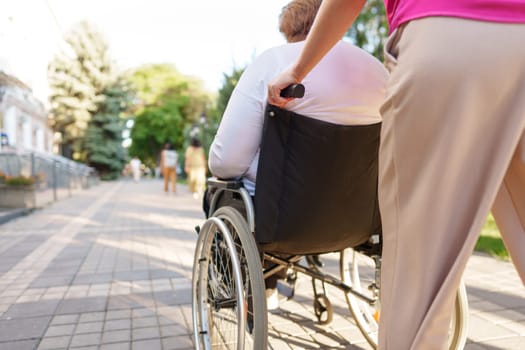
(168,103)
(103,139)
(156,125)
(370,28)
(78,77)
(228,84)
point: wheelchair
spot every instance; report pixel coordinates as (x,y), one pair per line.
(309,200)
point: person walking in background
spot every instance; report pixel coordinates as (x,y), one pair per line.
(452,148)
(195,167)
(135,165)
(168,167)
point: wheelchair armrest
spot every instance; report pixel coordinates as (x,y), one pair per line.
(224,183)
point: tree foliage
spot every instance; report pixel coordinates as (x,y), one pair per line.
(103,140)
(78,77)
(370,28)
(228,84)
(169,102)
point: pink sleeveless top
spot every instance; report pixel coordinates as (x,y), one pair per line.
(505,11)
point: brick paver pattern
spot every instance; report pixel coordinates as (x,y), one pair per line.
(110,268)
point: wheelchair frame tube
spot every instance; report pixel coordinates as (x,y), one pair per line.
(277,267)
(248,205)
(320,276)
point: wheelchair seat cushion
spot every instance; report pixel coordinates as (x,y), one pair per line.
(316,184)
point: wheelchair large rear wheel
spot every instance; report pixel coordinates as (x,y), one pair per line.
(359,271)
(228,301)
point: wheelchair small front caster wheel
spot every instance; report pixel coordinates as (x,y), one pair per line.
(323,309)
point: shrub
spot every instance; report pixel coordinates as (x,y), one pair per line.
(19,181)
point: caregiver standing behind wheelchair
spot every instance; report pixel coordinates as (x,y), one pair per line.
(452,148)
(347,87)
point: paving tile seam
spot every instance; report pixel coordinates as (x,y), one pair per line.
(19,340)
(499,320)
(102,292)
(490,339)
(7,244)
(149,248)
(41,256)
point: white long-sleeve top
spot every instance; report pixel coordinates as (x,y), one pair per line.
(347,87)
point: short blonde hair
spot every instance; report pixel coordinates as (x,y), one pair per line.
(297,18)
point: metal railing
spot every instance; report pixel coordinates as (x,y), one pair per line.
(55,177)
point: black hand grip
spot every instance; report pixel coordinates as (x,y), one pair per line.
(294,90)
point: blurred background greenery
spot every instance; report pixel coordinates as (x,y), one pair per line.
(490,240)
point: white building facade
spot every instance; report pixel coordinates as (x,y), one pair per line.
(24,122)
(28,41)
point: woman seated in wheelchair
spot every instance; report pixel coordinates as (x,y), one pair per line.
(346,88)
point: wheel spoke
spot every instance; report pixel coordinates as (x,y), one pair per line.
(228,302)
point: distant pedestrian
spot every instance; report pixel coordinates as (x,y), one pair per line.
(168,166)
(195,167)
(135,165)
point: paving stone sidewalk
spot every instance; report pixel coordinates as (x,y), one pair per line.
(110,268)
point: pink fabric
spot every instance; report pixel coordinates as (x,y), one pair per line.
(503,11)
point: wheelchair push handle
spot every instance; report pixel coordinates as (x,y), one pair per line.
(294,90)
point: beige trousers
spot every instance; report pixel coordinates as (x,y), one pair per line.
(170,175)
(197,179)
(453,147)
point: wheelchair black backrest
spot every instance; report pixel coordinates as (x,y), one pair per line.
(316,184)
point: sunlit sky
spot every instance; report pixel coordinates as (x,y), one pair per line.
(202,38)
